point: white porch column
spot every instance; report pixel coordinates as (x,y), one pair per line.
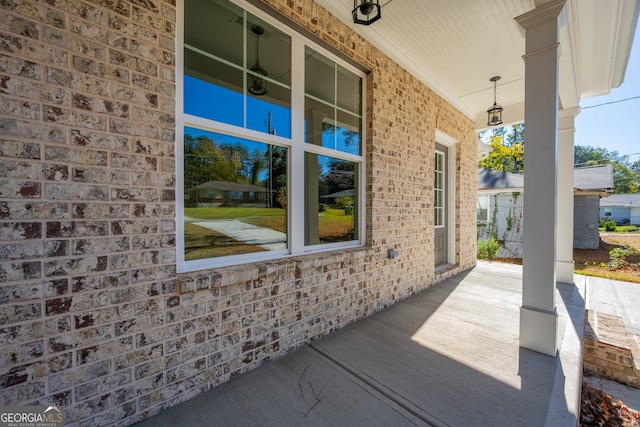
(564,256)
(538,314)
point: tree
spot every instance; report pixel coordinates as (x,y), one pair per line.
(507,150)
(507,155)
(339,176)
(204,160)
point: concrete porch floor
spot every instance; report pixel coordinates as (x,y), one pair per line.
(448,356)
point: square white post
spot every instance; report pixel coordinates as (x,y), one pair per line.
(564,257)
(538,314)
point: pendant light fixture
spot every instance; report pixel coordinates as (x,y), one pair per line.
(366,12)
(494,113)
(258,86)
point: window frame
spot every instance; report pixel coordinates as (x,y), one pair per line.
(296,149)
(442,190)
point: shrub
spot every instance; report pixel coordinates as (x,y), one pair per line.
(608,225)
(618,257)
(488,248)
(344,201)
(322,207)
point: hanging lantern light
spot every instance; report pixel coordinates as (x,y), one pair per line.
(366,12)
(494,113)
(258,85)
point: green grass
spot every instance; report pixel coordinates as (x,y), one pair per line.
(334,226)
(277,223)
(203,243)
(624,229)
(232,213)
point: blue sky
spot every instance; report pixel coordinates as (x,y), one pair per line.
(616,126)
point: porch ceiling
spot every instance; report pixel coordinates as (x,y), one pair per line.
(455,47)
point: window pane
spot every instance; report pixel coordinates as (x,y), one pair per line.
(438,200)
(349,90)
(235,195)
(270,113)
(348,135)
(319,123)
(216,27)
(273,51)
(212,90)
(326,123)
(331,200)
(319,76)
(483,208)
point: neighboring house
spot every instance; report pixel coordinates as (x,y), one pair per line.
(500,207)
(226,194)
(332,198)
(114,304)
(624,209)
(592,185)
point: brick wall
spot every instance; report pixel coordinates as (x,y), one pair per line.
(93,316)
(609,351)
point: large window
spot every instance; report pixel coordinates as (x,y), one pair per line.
(270,140)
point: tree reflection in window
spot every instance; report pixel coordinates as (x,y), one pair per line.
(331,200)
(231,188)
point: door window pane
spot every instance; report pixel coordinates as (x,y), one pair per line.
(483,208)
(439,190)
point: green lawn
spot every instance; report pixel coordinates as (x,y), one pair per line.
(230,213)
(203,243)
(622,229)
(334,226)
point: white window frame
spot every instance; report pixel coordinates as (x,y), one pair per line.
(443,190)
(295,153)
(451,143)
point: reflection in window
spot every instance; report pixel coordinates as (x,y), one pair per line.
(217,75)
(330,122)
(236,119)
(235,195)
(331,200)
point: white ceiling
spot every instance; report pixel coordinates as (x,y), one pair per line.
(456,46)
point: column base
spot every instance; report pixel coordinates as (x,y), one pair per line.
(564,271)
(539,330)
